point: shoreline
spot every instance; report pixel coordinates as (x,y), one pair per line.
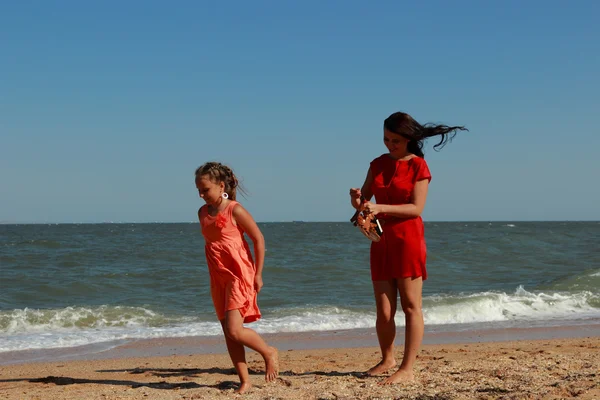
(284,341)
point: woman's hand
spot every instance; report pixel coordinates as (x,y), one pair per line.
(258,283)
(355,195)
(373,208)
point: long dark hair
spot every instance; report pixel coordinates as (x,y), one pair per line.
(404,125)
(221,173)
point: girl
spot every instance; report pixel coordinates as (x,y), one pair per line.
(399,181)
(235,280)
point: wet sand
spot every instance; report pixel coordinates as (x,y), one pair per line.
(544,363)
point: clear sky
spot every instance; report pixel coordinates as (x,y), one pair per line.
(108,107)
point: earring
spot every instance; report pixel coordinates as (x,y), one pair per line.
(224,195)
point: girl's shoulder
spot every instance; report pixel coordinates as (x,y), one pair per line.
(235,207)
(232,205)
(238,211)
(235,210)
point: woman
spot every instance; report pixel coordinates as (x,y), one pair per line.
(399,181)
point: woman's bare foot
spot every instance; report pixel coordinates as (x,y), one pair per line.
(272,365)
(399,376)
(381,368)
(244,386)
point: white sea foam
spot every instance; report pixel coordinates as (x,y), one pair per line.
(519,306)
(72,326)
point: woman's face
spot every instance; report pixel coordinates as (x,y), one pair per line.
(208,190)
(395,143)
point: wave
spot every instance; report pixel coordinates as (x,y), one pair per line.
(40,320)
(75,326)
(518,306)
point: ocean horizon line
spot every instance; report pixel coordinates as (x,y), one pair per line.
(290,222)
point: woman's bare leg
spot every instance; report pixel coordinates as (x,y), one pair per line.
(386,302)
(411,299)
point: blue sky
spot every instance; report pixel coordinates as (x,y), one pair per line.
(107,108)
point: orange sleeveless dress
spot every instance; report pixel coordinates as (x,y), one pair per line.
(230,264)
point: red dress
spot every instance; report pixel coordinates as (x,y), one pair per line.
(401,252)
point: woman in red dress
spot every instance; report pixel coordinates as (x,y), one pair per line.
(399,181)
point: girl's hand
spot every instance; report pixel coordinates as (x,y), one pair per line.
(373,208)
(258,283)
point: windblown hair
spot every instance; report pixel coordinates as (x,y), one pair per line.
(218,173)
(404,125)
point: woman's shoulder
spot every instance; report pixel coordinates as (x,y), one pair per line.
(417,163)
(421,168)
(383,157)
(418,160)
(381,160)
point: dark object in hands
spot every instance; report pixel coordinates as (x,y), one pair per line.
(367,222)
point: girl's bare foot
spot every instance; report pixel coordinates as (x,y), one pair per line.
(244,386)
(272,365)
(381,368)
(399,376)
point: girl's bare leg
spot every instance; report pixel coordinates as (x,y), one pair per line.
(235,330)
(386,302)
(237,353)
(411,294)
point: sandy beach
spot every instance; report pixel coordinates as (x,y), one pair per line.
(550,368)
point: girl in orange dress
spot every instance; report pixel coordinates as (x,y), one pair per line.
(399,181)
(235,278)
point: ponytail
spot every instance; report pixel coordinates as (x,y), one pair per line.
(221,173)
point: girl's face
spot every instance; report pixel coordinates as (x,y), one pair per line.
(396,144)
(208,190)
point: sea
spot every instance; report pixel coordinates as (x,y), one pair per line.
(68,285)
